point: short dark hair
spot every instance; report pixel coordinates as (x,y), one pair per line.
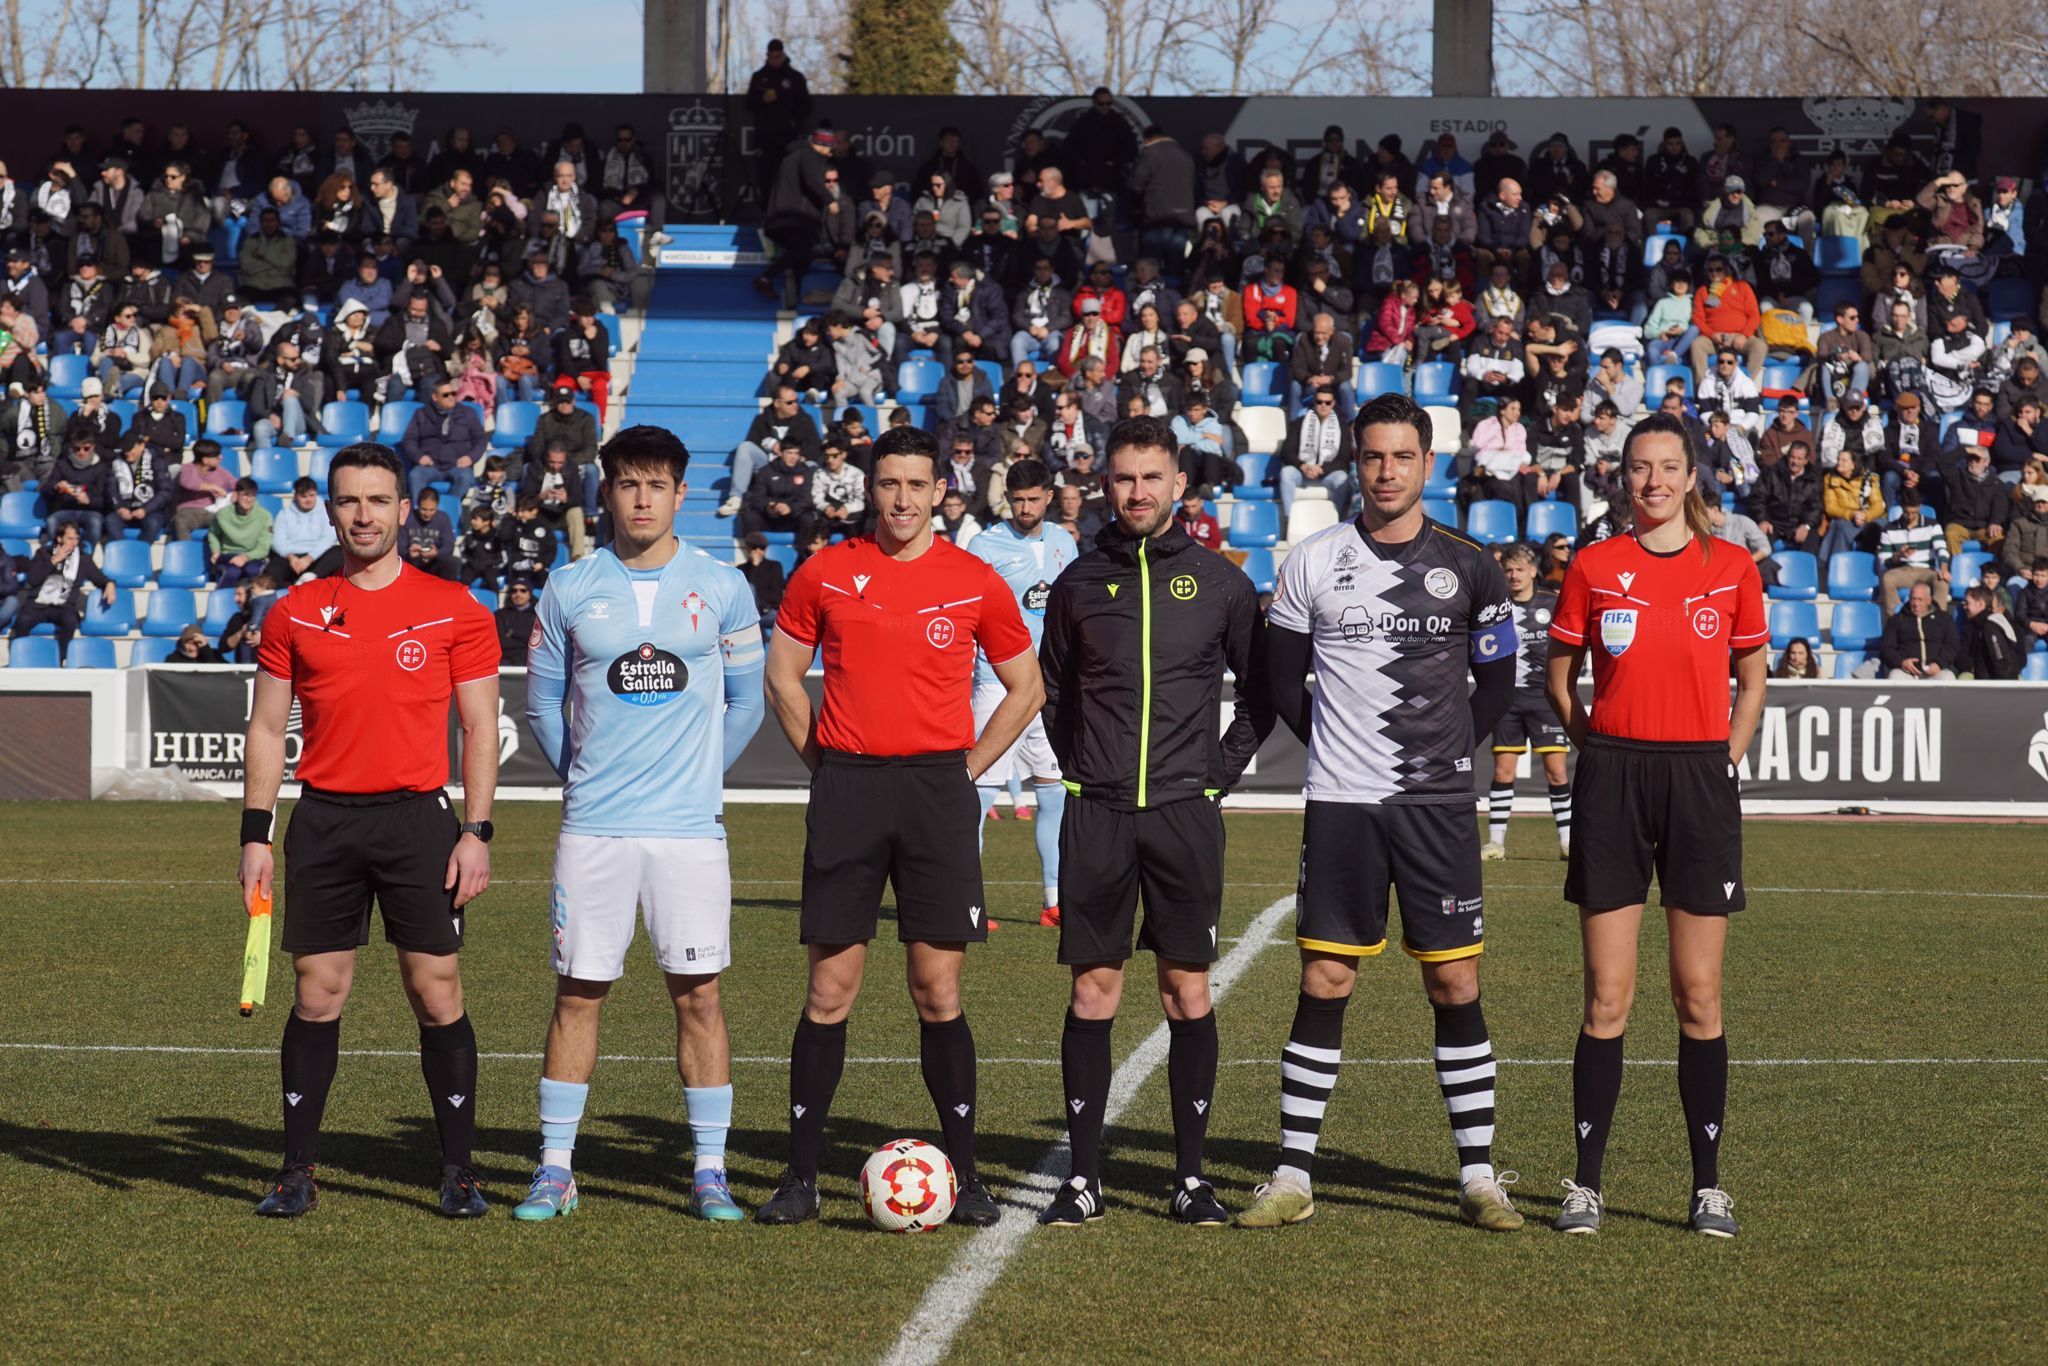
(907,441)
(1396,410)
(1151,433)
(303,484)
(366,455)
(644,447)
(206,448)
(247,485)
(1028,474)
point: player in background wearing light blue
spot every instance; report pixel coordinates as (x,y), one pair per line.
(657,649)
(1029,552)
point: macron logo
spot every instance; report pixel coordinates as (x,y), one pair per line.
(1713,1131)
(327,615)
(1212,936)
(797,1110)
(456,1101)
(974,915)
(1077,1106)
(1728,890)
(292,1097)
(1628,581)
(860,582)
(961,1110)
(1584,1128)
(1201,1107)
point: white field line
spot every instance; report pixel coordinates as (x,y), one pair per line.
(949,1302)
(769,1060)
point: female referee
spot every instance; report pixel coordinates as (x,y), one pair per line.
(1662,609)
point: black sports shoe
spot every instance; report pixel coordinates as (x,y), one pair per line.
(974,1206)
(794,1201)
(1196,1203)
(291,1195)
(462,1194)
(1077,1203)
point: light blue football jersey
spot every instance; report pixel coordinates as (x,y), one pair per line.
(1028,564)
(651,661)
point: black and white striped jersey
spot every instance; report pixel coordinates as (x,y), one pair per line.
(1532,642)
(1394,628)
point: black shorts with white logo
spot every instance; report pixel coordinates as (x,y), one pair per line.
(913,821)
(1170,855)
(1672,808)
(1428,854)
(342,850)
(1527,722)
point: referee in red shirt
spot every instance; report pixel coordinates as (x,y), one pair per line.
(1662,610)
(372,656)
(893,756)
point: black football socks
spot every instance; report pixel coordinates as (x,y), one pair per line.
(1190,1085)
(817,1057)
(448,1062)
(1703,1091)
(946,1050)
(1085,1069)
(1596,1086)
(307,1059)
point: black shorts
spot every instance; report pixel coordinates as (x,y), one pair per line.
(1170,855)
(914,821)
(1527,722)
(1639,806)
(344,849)
(1428,854)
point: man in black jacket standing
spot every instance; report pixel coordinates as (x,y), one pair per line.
(1138,633)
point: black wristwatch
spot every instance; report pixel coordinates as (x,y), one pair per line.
(481,829)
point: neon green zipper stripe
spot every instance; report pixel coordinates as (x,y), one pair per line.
(1145,663)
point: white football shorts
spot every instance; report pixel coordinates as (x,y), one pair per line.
(682,887)
(1030,756)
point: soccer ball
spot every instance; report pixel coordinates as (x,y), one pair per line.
(908,1186)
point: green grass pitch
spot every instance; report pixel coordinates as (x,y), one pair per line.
(1890,1208)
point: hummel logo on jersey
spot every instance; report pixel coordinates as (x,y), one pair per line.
(1728,890)
(293,1097)
(961,1110)
(1713,1131)
(1628,581)
(1201,1107)
(1113,587)
(456,1101)
(1077,1106)
(1584,1128)
(974,915)
(797,1110)
(860,582)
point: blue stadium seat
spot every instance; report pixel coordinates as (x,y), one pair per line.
(1653,246)
(1253,525)
(516,421)
(1855,625)
(784,555)
(67,373)
(1847,662)
(994,371)
(1256,470)
(1852,576)
(227,422)
(1660,375)
(275,470)
(1376,377)
(220,605)
(117,620)
(613,328)
(1838,255)
(1966,568)
(1780,375)
(393,418)
(89,653)
(14,545)
(2010,298)
(918,380)
(1490,521)
(1259,568)
(1836,290)
(150,651)
(188,410)
(1443,510)
(18,518)
(1261,378)
(488,597)
(1552,517)
(343,422)
(2035,670)
(170,611)
(1798,577)
(32,652)
(317,467)
(184,565)
(1791,620)
(1435,380)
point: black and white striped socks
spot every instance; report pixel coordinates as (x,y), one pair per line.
(1308,1073)
(1561,811)
(1465,1072)
(1500,804)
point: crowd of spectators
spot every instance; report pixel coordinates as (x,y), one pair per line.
(1854,345)
(286,278)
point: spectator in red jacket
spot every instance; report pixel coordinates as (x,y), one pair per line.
(1269,312)
(1102,288)
(1195,520)
(1393,332)
(1725,311)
